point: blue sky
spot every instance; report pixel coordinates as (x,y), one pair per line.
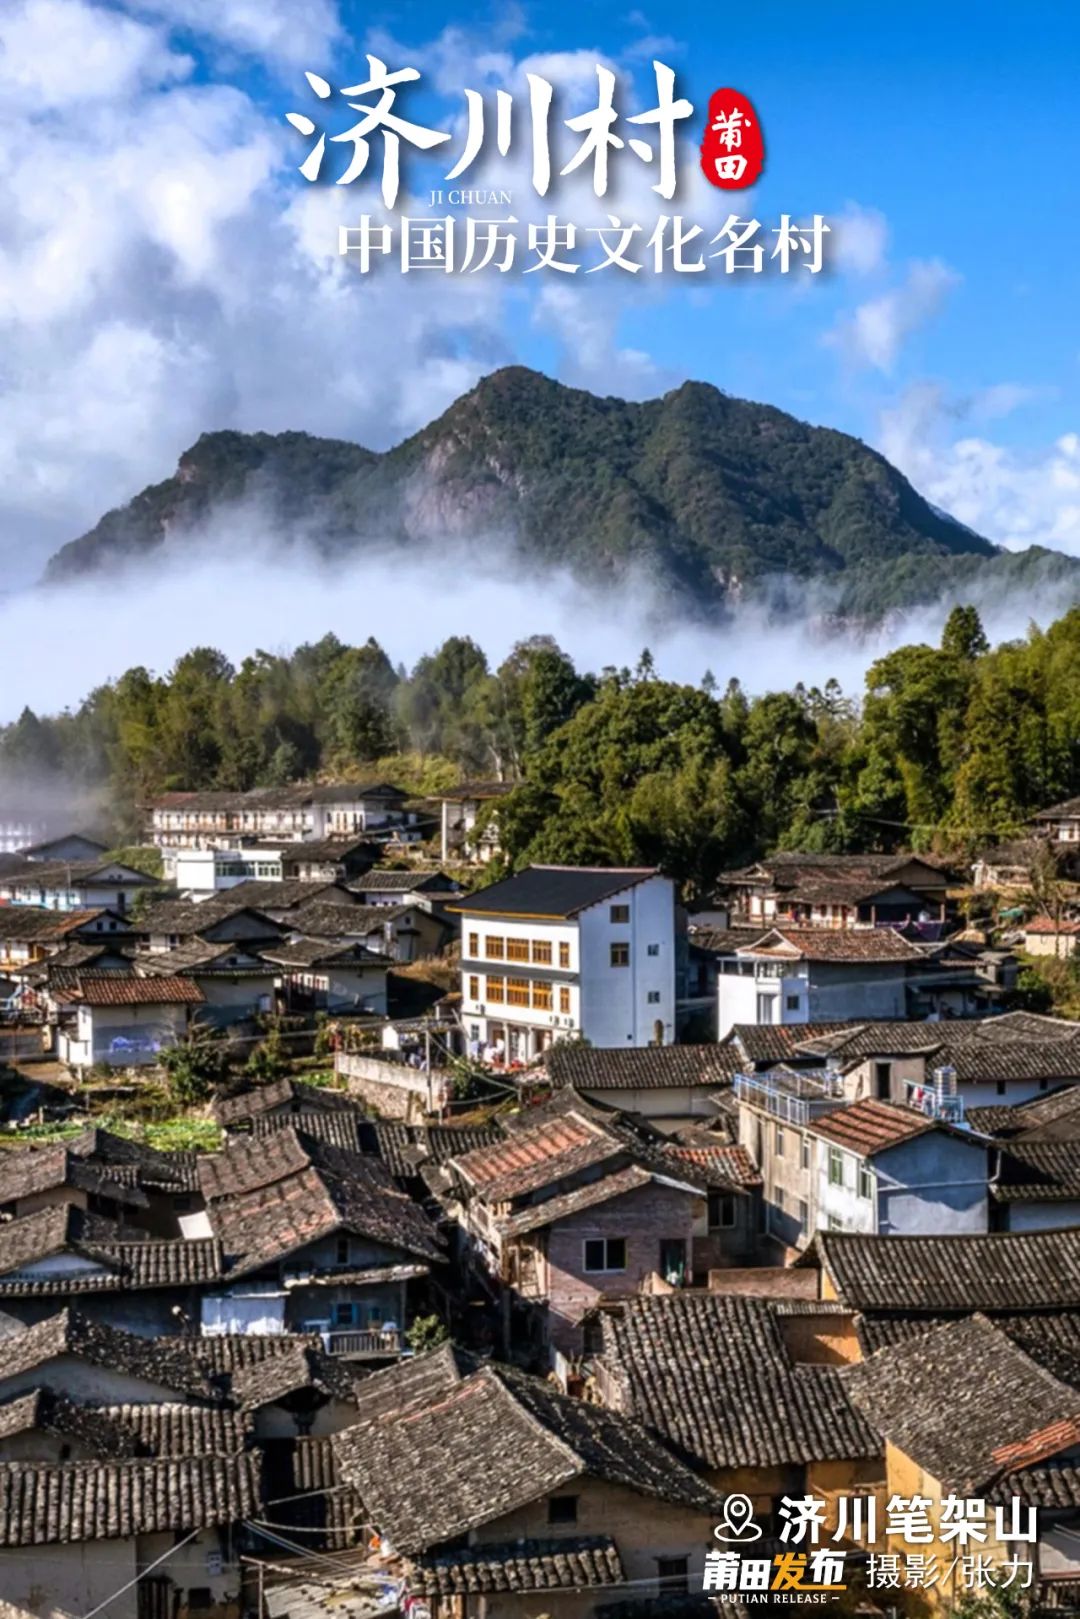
(957,122)
(165,271)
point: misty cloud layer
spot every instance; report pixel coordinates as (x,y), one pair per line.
(237,590)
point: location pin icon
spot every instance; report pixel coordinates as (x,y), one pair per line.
(738,1520)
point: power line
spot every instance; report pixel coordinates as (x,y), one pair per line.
(148,1570)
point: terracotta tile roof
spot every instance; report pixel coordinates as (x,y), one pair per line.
(869,1126)
(709,1372)
(722,1161)
(999,1271)
(589,1068)
(1047,925)
(983,1405)
(576,1564)
(493,1441)
(118,989)
(536,1156)
(43,1505)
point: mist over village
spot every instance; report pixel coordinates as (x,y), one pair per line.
(539,811)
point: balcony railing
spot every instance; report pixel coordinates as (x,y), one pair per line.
(792,1100)
(363,1343)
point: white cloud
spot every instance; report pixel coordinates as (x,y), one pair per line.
(278,31)
(1017,498)
(860,237)
(874,333)
(65,53)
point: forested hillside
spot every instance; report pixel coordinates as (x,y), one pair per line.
(712,498)
(947,747)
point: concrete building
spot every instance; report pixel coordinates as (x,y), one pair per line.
(469,821)
(564,951)
(122,1021)
(869,1166)
(792,975)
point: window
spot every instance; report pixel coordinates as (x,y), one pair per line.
(866,1181)
(605,1253)
(835,1223)
(1000,1087)
(805,1152)
(564,998)
(620,913)
(474,944)
(517,949)
(620,955)
(562,1509)
(343,1250)
(496,948)
(804,1213)
(653,997)
(792,1003)
(564,953)
(779,1141)
(474,989)
(778,1198)
(541,997)
(517,992)
(673,1574)
(541,952)
(721,1211)
(652,950)
(496,990)
(836,1167)
(883,1081)
(343,1316)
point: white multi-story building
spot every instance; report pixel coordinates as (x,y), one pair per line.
(285,814)
(568,951)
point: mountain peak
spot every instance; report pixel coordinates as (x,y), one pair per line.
(697,487)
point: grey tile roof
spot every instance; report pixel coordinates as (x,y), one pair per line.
(344,1130)
(1054,1117)
(553,891)
(126,1266)
(777,1042)
(274,1195)
(642,1068)
(502,1439)
(710,1373)
(43,1504)
(1000,1271)
(171,1363)
(577,1563)
(983,1406)
(174,1429)
(236,1107)
(47,1412)
(1038,1172)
